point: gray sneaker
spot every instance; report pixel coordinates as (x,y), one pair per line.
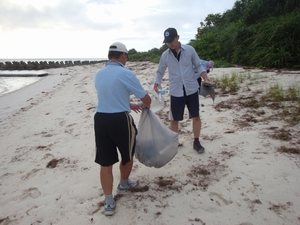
(130,184)
(109,209)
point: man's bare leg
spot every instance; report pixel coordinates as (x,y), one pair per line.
(196,126)
(196,129)
(125,182)
(106,179)
(125,170)
(174,125)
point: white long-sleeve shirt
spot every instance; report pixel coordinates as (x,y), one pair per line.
(181,73)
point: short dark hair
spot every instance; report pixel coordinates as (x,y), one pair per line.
(114,55)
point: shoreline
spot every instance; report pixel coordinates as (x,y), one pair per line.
(242,178)
(23,73)
(17,99)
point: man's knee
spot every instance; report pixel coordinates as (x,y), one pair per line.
(196,119)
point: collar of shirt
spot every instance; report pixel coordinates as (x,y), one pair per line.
(181,73)
(174,51)
(176,54)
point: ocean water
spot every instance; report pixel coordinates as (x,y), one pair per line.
(10,84)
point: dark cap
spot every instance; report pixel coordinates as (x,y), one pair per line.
(169,35)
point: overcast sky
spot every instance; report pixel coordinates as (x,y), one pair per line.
(86,28)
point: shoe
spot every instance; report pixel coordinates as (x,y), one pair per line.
(131,183)
(109,209)
(198,147)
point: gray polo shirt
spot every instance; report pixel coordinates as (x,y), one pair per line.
(181,72)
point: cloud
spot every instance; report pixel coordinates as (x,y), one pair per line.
(92,25)
(72,15)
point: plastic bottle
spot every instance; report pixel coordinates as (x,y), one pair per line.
(162,92)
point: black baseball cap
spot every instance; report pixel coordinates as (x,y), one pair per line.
(169,35)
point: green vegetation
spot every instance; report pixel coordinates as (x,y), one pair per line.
(229,83)
(152,55)
(259,33)
(286,100)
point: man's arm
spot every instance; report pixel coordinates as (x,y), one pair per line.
(146,101)
(155,87)
(162,66)
(204,76)
(197,63)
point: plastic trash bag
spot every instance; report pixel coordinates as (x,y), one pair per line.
(156,144)
(157,100)
(207,89)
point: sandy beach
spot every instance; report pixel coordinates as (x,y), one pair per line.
(249,174)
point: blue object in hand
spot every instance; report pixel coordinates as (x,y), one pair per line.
(162,92)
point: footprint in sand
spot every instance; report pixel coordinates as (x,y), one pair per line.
(223,200)
(70,128)
(62,122)
(31,192)
(30,174)
(222,119)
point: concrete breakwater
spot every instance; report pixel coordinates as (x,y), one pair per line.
(39,65)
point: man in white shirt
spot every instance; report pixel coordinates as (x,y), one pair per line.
(181,61)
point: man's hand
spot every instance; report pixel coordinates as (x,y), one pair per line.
(204,76)
(155,88)
(135,107)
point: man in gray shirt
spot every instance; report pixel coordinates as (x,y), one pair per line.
(181,60)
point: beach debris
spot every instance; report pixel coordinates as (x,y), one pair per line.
(6,220)
(289,150)
(139,189)
(53,163)
(207,90)
(282,134)
(278,208)
(197,220)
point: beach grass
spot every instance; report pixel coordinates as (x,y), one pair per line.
(285,100)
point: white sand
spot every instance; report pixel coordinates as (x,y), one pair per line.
(240,179)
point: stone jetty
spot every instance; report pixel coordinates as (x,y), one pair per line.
(40,65)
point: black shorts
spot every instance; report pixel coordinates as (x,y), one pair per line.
(112,131)
(178,104)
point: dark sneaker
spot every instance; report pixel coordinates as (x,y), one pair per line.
(109,209)
(198,147)
(130,184)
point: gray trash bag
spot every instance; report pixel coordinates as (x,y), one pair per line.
(207,89)
(156,144)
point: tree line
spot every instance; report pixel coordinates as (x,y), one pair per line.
(257,33)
